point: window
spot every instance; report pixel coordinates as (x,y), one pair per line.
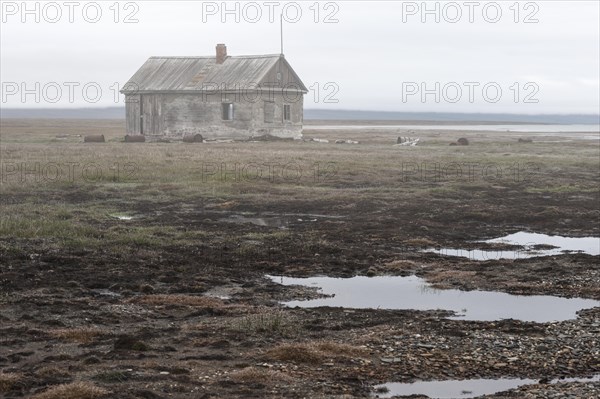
(287,112)
(227,111)
(269,111)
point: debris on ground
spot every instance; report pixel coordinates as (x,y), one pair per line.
(407,141)
(193,138)
(461,141)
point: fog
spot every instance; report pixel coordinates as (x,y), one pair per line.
(487,57)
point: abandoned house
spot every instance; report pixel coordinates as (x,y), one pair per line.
(218,97)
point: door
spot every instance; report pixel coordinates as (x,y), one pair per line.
(150,112)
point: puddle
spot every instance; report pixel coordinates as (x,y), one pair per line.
(392,292)
(451,389)
(224,291)
(122,217)
(532,245)
(105,292)
(463,389)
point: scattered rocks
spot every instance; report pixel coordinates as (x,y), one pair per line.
(460,141)
(391,360)
(372,272)
(487,350)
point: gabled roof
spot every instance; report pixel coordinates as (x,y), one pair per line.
(193,74)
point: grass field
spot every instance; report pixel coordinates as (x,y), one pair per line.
(41,172)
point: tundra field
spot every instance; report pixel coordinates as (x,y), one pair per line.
(141,270)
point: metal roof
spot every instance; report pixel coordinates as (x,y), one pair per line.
(191,74)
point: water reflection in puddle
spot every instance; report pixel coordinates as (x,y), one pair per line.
(391,292)
(122,217)
(105,293)
(532,245)
(462,389)
(452,389)
(224,291)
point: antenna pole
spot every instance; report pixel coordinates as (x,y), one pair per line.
(281,31)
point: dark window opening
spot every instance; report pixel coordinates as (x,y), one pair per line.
(227,111)
(287,111)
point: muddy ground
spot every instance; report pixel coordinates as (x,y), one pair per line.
(174,303)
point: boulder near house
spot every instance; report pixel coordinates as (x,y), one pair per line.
(218,97)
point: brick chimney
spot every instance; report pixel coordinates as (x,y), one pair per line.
(221,53)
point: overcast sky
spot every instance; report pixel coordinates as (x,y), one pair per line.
(377,56)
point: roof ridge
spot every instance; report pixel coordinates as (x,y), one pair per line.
(256,56)
(180,56)
(212,56)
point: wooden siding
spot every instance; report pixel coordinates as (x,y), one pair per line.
(132,114)
(176,115)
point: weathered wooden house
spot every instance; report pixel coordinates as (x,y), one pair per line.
(218,97)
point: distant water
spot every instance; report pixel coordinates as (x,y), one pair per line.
(118,112)
(358,115)
(490,128)
(393,292)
